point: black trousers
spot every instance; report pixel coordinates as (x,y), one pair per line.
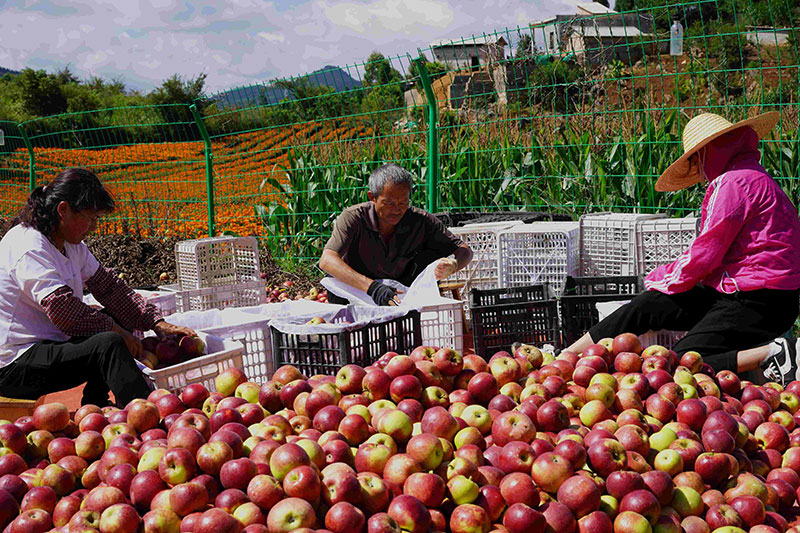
(102,361)
(718,325)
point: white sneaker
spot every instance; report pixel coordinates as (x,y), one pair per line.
(781,367)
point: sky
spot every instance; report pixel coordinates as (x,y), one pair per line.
(238,42)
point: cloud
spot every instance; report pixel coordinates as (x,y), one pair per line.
(238,42)
(389,16)
(272,37)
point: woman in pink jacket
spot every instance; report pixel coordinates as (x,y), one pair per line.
(736,288)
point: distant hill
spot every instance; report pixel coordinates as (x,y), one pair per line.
(328,76)
(4,71)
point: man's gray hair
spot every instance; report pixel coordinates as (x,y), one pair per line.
(389,173)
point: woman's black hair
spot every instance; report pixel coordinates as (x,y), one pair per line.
(79,187)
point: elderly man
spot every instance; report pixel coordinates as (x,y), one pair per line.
(385,238)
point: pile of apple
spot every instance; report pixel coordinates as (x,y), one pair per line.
(282,293)
(618,439)
(171,350)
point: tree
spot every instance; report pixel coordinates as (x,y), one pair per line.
(41,93)
(524,47)
(379,71)
(434,68)
(176,90)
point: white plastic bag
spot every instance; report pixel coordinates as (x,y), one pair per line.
(424,291)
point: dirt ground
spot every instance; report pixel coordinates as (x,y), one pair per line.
(142,261)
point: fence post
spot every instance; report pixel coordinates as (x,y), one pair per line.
(31,157)
(209,169)
(433,135)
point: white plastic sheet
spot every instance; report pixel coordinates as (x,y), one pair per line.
(242,315)
(424,291)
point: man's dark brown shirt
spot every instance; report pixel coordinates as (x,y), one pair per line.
(418,240)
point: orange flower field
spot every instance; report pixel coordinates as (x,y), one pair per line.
(161,188)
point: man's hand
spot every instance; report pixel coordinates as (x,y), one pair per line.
(382,294)
(133,344)
(164,328)
(446,267)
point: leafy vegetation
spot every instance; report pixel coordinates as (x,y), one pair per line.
(780,13)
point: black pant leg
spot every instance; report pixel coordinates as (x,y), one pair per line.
(102,361)
(738,322)
(653,310)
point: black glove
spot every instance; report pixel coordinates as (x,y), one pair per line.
(380,293)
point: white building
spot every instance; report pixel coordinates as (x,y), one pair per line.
(469,53)
(594,34)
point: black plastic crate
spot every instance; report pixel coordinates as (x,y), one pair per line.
(326,353)
(524,216)
(580,294)
(501,317)
(452,219)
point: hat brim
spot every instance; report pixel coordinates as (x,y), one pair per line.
(674,179)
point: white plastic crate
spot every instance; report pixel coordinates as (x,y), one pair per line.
(483,271)
(223,354)
(256,339)
(238,295)
(608,243)
(540,252)
(661,241)
(217,261)
(443,325)
(666,338)
(164,301)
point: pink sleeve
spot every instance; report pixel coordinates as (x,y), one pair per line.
(724,217)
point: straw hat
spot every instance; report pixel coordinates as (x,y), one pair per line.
(700,131)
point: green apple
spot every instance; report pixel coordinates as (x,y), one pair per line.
(687,501)
(654,422)
(668,461)
(386,440)
(683,376)
(250,443)
(605,379)
(689,391)
(660,440)
(249,391)
(609,505)
(462,490)
(150,459)
(362,410)
(478,417)
(397,425)
(468,435)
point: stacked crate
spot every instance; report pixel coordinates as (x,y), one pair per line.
(541,252)
(608,243)
(218,272)
(661,241)
(224,272)
(483,271)
(630,244)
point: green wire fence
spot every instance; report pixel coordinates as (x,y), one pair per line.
(577,113)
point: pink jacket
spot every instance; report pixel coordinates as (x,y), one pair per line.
(749,230)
